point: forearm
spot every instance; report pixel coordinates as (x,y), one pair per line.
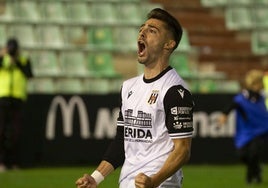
(105,168)
(176,159)
(92,181)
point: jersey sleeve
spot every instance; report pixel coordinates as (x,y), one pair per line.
(115,154)
(178,105)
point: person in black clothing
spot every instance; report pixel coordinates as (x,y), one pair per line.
(15,70)
(251,124)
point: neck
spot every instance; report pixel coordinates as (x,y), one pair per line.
(156,66)
(152,72)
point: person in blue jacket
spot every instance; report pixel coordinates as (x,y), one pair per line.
(251,123)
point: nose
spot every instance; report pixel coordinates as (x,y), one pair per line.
(142,33)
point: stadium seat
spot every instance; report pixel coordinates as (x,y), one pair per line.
(27,11)
(259,42)
(73,64)
(24,33)
(45,63)
(129,13)
(147,7)
(126,38)
(8,12)
(53,11)
(75,35)
(101,38)
(207,86)
(239,2)
(180,62)
(122,1)
(3,35)
(214,3)
(104,13)
(229,86)
(193,86)
(239,18)
(97,86)
(101,65)
(51,36)
(260,15)
(261,2)
(70,86)
(78,12)
(184,45)
(41,85)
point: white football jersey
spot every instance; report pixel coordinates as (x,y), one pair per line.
(153,112)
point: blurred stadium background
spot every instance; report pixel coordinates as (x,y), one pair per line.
(74,43)
(88,47)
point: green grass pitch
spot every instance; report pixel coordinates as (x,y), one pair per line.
(195,176)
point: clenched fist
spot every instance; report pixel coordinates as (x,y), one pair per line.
(86,181)
(143,181)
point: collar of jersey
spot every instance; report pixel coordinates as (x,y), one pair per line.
(158,76)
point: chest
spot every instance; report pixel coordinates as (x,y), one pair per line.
(147,98)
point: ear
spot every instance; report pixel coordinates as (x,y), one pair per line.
(170,45)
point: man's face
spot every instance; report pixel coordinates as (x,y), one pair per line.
(152,38)
(12,49)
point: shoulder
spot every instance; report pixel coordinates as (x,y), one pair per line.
(243,95)
(179,94)
(179,90)
(172,78)
(128,84)
(131,80)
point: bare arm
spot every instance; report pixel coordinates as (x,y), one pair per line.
(176,159)
(105,168)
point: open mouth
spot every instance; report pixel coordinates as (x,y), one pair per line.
(141,47)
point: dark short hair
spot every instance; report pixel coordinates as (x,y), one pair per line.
(172,23)
(12,43)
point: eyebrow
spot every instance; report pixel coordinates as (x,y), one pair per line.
(152,26)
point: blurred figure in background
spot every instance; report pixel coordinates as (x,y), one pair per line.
(14,72)
(265,82)
(251,123)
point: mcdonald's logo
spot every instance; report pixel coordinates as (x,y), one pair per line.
(67,111)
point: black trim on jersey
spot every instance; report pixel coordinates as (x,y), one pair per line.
(115,154)
(178,105)
(158,76)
